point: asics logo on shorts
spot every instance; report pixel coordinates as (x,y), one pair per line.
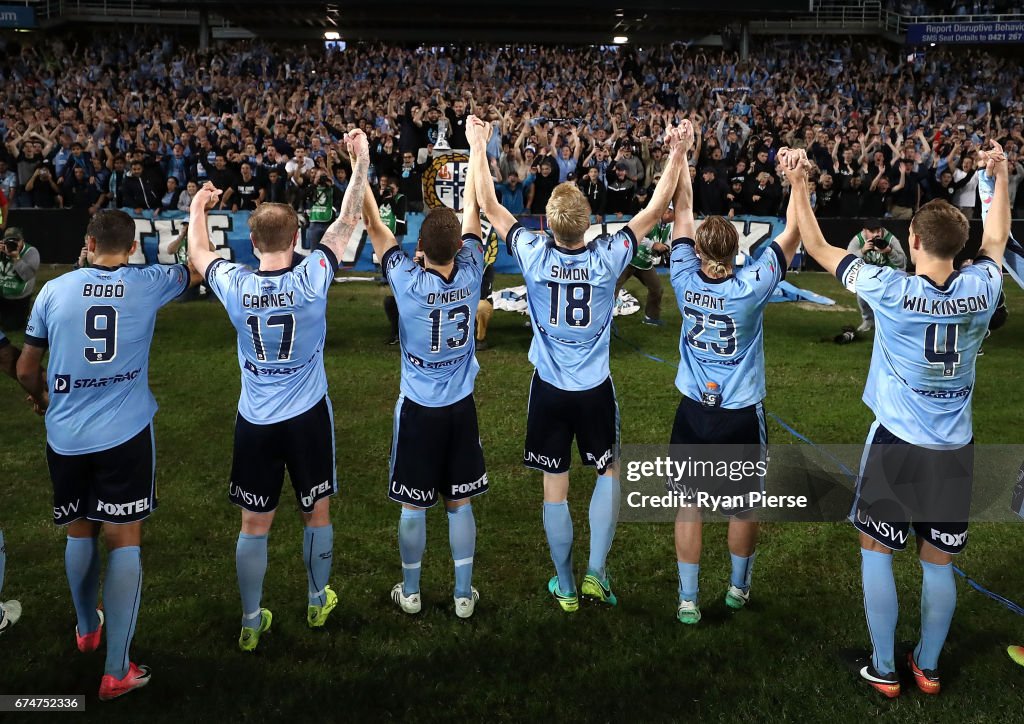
(138,506)
(307,500)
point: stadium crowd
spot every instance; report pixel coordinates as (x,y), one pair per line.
(139,121)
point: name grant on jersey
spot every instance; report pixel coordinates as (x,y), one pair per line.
(708,301)
(946,307)
(267,301)
(570,274)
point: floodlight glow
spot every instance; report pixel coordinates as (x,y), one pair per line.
(620,39)
(332,35)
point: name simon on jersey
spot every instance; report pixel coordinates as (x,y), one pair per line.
(570,274)
(266,301)
(454,295)
(945,307)
(708,301)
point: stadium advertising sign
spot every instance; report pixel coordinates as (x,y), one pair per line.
(17,16)
(1012,32)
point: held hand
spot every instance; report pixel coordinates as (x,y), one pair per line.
(206,198)
(357,144)
(685,133)
(995,161)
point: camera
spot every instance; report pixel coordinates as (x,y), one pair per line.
(11,245)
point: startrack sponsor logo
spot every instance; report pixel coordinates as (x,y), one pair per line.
(123,509)
(61,385)
(64,383)
(444,364)
(412,494)
(250,499)
(271,371)
(944,394)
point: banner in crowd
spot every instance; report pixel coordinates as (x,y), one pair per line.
(17,16)
(229,233)
(973,33)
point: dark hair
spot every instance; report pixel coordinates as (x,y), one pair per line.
(941,227)
(440,235)
(113,230)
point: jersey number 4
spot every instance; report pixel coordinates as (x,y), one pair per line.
(461,316)
(949,355)
(287,324)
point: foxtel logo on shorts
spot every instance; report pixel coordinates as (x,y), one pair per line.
(404,491)
(138,506)
(470,487)
(307,500)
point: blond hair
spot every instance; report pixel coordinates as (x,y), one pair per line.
(717,244)
(273,227)
(568,213)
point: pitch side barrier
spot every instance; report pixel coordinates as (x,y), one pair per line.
(59,234)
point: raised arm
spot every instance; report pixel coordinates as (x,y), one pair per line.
(814,242)
(683,224)
(200,253)
(477,133)
(379,233)
(643,222)
(470,207)
(789,239)
(997,221)
(340,231)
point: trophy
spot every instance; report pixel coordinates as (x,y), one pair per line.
(441,144)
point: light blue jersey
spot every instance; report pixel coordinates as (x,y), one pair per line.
(571,295)
(927,339)
(98,323)
(281,321)
(437,324)
(721,346)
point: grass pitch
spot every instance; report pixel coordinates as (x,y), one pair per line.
(519,657)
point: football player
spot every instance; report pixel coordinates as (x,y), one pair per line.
(285,419)
(571,293)
(721,378)
(917,467)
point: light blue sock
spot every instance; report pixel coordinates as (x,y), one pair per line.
(462,538)
(688,586)
(604,514)
(82,565)
(938,601)
(881,608)
(412,541)
(122,591)
(558,527)
(251,566)
(317,550)
(742,568)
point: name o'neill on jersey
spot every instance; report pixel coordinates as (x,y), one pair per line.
(435,299)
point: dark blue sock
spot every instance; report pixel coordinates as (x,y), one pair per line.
(938,602)
(462,538)
(122,591)
(82,565)
(251,566)
(317,551)
(558,527)
(881,608)
(412,541)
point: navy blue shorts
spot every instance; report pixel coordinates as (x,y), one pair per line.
(555,416)
(736,437)
(901,484)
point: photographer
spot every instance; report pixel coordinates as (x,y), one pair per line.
(876,246)
(321,207)
(19,263)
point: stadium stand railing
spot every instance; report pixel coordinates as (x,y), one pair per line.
(864,18)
